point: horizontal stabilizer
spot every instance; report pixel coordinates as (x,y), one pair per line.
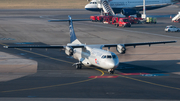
(43,46)
(69,20)
(34,46)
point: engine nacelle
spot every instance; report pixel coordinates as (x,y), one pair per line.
(121,49)
(69,51)
(127,11)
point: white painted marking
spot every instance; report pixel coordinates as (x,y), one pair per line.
(54,73)
(80,73)
(23,53)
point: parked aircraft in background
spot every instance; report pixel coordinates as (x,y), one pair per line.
(129,7)
(90,54)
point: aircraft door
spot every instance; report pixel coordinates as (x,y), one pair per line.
(99,3)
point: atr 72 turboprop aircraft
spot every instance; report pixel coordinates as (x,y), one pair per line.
(90,54)
(129,7)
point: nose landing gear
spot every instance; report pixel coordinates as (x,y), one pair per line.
(111,71)
(78,65)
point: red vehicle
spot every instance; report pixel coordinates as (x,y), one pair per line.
(93,18)
(124,22)
(134,20)
(106,16)
(107,19)
(100,18)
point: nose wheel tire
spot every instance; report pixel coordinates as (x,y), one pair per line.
(78,66)
(111,71)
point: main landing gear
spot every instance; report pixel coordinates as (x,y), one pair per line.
(111,71)
(78,65)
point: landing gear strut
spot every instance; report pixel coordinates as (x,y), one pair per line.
(78,65)
(111,71)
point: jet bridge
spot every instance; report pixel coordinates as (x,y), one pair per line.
(176,18)
(104,4)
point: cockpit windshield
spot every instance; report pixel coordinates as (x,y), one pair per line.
(109,56)
(104,56)
(93,3)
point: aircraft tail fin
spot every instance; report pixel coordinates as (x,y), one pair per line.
(71,30)
(73,38)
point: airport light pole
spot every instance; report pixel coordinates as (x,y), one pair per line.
(144,10)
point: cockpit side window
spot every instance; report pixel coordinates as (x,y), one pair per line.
(114,56)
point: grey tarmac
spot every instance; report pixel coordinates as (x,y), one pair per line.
(56,78)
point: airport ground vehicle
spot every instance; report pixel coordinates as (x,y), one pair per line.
(176,18)
(117,21)
(151,20)
(171,28)
(124,22)
(97,18)
(135,20)
(148,20)
(107,18)
(100,18)
(93,18)
(178,21)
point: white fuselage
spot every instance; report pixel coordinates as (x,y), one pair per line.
(118,5)
(97,57)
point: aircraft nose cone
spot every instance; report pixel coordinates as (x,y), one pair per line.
(87,6)
(113,64)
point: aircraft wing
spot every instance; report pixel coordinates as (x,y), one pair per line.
(43,46)
(82,45)
(138,44)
